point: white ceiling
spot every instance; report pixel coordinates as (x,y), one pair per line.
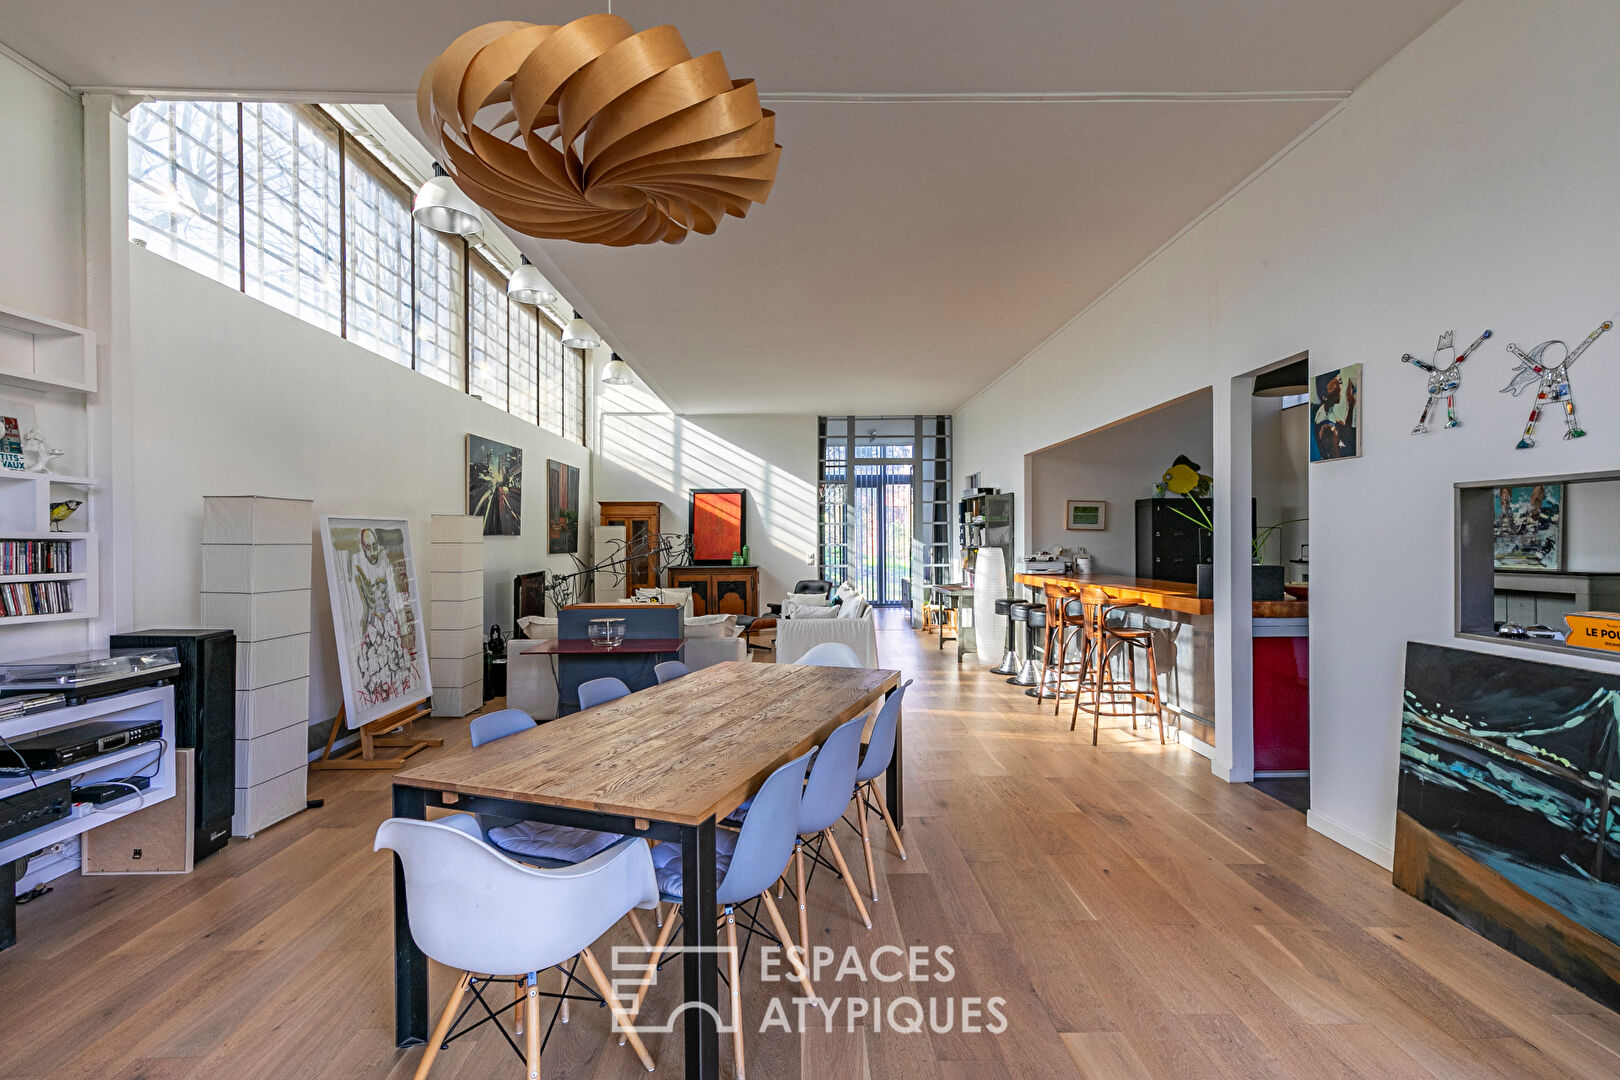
(911,250)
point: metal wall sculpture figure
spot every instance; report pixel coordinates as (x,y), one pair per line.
(1445,375)
(1553,380)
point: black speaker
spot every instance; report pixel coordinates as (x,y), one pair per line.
(204,719)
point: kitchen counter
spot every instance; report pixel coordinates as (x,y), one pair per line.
(1177,596)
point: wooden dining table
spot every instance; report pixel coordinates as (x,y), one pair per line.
(666,763)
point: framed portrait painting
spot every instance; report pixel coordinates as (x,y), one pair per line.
(719,518)
(1528,527)
(376,616)
(1335,430)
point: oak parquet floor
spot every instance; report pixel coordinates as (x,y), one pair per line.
(1141,919)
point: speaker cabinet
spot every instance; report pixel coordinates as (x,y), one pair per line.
(204,719)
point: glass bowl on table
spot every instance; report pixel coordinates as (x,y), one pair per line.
(606,633)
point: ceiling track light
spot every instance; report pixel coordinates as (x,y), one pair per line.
(528,286)
(444,208)
(616,372)
(581,335)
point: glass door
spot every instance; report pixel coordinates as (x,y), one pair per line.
(871,491)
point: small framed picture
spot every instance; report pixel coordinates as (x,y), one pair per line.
(1087,514)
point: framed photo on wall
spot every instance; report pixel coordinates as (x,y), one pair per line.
(1528,522)
(719,520)
(376,615)
(562,508)
(1086,514)
(1336,414)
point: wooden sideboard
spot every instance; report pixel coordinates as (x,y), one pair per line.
(719,590)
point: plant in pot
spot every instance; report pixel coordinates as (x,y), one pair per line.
(1267,582)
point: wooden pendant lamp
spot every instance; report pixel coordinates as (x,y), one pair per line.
(592,132)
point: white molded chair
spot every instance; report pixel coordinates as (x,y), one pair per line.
(830,654)
(600,692)
(670,669)
(475,910)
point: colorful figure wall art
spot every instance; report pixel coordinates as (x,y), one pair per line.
(1445,375)
(1552,380)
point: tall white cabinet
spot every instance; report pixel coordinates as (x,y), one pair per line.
(456,618)
(256,580)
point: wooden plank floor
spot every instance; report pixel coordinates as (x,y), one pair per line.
(1141,919)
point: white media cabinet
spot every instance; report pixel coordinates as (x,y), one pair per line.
(155,759)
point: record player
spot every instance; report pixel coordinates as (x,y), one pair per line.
(78,677)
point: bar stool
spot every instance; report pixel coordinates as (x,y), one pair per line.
(1105,641)
(1070,622)
(1009,662)
(1018,612)
(1035,623)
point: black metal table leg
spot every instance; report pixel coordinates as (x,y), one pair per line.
(893,784)
(701,938)
(410,964)
(8,904)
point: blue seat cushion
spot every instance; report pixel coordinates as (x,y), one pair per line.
(559,844)
(667,864)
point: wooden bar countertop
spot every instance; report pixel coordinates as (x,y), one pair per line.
(1179,596)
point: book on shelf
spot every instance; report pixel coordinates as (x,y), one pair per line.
(35,598)
(35,557)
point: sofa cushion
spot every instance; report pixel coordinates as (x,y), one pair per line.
(810,599)
(854,609)
(847,592)
(712,626)
(534,626)
(791,610)
(680,597)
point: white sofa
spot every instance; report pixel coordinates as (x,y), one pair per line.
(800,629)
(531,679)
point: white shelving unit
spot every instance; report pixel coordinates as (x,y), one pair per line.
(44,354)
(25,514)
(155,759)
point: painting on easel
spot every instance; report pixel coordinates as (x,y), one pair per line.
(376,616)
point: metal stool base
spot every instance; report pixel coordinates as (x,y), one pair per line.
(1028,675)
(1008,665)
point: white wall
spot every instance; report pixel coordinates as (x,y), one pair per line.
(233,397)
(1281,478)
(1465,185)
(41,197)
(643,451)
(1119,465)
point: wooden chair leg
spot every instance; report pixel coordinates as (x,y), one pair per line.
(794,952)
(605,988)
(532,1035)
(1153,677)
(804,912)
(564,973)
(442,1028)
(734,976)
(883,809)
(517,1008)
(641,933)
(662,943)
(849,880)
(866,842)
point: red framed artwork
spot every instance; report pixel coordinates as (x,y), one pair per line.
(719,518)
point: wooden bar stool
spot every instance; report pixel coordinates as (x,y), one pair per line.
(1068,623)
(1106,641)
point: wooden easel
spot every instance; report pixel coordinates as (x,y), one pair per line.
(375,734)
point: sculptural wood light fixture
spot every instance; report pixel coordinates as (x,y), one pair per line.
(592,132)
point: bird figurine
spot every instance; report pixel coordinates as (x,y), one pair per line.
(1183,478)
(61,511)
